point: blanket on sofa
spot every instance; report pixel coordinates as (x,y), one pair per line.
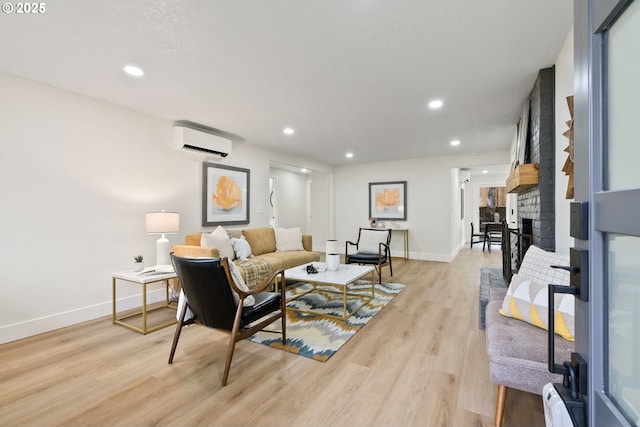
(255,270)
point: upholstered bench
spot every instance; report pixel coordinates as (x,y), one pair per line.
(517,350)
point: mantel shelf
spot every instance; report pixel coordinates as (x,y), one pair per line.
(522,178)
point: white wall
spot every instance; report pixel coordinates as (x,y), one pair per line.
(76,178)
(430,211)
(564,88)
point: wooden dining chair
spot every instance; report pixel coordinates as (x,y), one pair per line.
(476,237)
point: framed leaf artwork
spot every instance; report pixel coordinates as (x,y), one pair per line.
(225,195)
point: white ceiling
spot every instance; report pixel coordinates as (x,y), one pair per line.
(345,74)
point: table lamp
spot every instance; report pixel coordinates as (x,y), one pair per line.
(162,223)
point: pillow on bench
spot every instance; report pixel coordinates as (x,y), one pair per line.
(528,300)
(528,296)
(536,265)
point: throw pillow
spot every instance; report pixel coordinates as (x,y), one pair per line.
(241,248)
(536,265)
(239,281)
(528,300)
(182,300)
(262,240)
(370,240)
(288,239)
(218,239)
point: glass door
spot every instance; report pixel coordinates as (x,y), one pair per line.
(607,82)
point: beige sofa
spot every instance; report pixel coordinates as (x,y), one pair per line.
(265,259)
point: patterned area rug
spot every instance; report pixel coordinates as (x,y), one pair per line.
(319,337)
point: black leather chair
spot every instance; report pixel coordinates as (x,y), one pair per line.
(207,285)
(372,248)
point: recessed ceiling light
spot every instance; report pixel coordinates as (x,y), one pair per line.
(287,131)
(455,142)
(348,155)
(303,170)
(485,171)
(134,71)
(435,104)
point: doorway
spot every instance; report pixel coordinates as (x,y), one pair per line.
(273,221)
(289,195)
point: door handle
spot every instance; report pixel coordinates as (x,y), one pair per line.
(569,268)
(578,269)
(553,289)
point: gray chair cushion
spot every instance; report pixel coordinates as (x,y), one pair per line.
(518,351)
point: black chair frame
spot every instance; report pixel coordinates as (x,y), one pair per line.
(477,237)
(379,260)
(207,284)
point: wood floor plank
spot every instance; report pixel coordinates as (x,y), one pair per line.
(374,391)
(406,394)
(478,395)
(438,405)
(333,398)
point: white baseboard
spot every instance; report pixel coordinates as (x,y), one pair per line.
(43,324)
(431,257)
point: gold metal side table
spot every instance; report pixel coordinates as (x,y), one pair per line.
(144,280)
(405,241)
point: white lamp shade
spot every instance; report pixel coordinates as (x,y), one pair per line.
(162,222)
(332,247)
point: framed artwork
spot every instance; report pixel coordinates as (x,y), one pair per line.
(388,200)
(522,140)
(225,195)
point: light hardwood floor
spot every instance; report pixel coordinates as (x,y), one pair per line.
(420,362)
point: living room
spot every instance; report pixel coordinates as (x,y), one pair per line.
(79,174)
(94,166)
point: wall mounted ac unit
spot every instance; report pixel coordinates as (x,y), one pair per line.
(464,176)
(200,139)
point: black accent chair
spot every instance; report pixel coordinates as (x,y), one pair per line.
(476,237)
(372,248)
(207,285)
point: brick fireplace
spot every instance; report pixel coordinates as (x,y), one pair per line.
(536,205)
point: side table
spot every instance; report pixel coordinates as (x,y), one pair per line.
(144,280)
(405,237)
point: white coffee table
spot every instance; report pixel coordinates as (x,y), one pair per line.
(341,279)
